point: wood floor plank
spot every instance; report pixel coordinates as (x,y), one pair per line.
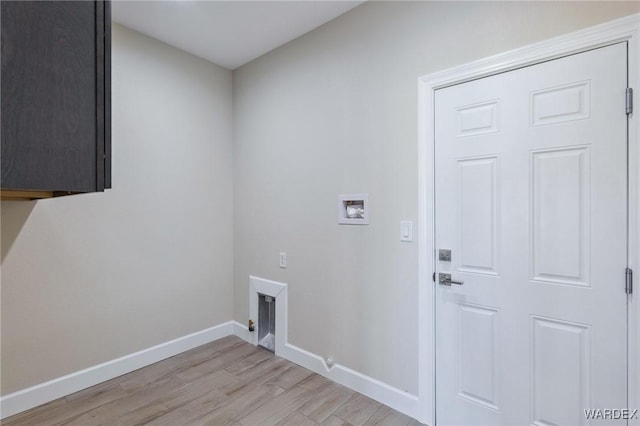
(291,377)
(198,388)
(296,419)
(326,402)
(280,407)
(335,421)
(358,409)
(385,416)
(141,415)
(242,365)
(72,409)
(191,411)
(315,382)
(149,374)
(129,404)
(21,418)
(163,391)
(224,383)
(240,407)
(231,347)
(201,369)
(106,416)
(261,373)
(236,352)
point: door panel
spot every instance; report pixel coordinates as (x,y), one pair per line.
(560,369)
(478,215)
(531,197)
(478,356)
(560,215)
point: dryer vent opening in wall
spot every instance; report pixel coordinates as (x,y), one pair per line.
(272,331)
(267,322)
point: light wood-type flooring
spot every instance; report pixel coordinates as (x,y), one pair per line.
(226,382)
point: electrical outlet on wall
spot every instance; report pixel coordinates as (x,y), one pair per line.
(283,260)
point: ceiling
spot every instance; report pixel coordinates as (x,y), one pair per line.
(228,33)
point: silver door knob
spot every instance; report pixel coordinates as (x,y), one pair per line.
(445,279)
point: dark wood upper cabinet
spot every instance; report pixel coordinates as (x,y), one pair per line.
(56,98)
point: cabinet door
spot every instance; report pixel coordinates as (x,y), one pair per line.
(51,115)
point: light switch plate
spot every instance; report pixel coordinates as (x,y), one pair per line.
(283,260)
(406,230)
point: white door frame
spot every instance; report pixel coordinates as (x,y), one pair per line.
(624,29)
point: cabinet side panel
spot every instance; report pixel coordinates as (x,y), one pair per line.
(107,94)
(100,95)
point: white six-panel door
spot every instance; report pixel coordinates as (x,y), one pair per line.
(531,199)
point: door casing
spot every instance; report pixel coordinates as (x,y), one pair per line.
(624,29)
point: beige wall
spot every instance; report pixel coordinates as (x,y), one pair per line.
(89,278)
(335,112)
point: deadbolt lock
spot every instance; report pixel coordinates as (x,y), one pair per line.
(444,255)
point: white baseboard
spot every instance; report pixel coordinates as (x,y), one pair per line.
(242,331)
(45,392)
(375,389)
(37,395)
